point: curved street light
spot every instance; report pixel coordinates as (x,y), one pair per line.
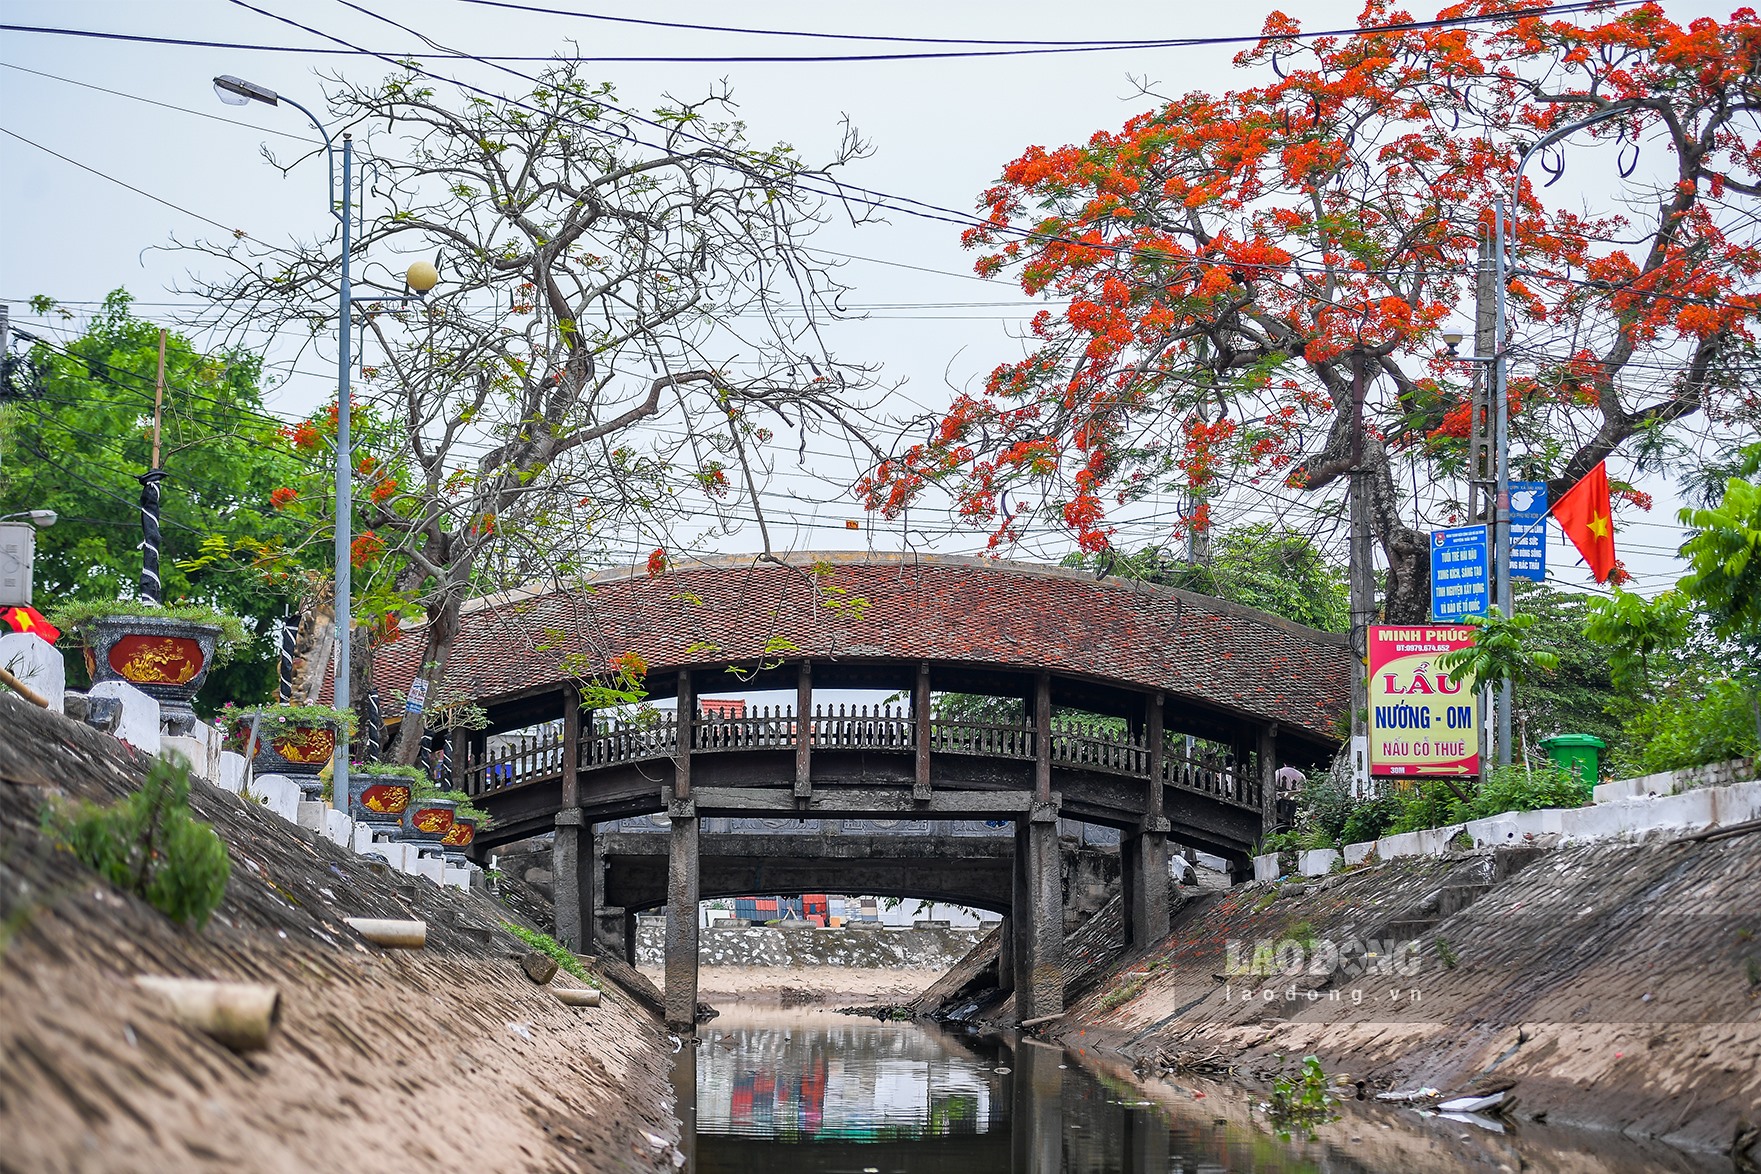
(422,277)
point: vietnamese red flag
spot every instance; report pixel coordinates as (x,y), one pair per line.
(29,619)
(1586,517)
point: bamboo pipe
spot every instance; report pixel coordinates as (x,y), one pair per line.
(397,935)
(237,1014)
(577,996)
(23,690)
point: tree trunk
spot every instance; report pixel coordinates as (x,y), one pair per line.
(1406,596)
(440,634)
(360,682)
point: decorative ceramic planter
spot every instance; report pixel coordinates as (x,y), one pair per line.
(295,748)
(380,799)
(166,659)
(426,821)
(458,837)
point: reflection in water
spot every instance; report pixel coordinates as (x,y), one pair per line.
(787,1092)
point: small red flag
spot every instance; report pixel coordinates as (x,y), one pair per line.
(29,619)
(1587,518)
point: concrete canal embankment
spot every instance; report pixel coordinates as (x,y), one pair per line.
(447,1057)
(1614,986)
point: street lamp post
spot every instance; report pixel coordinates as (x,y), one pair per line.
(236,91)
(1504,238)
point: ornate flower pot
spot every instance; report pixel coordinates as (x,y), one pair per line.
(426,821)
(166,659)
(380,799)
(458,837)
(298,748)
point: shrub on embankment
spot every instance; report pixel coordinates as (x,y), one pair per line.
(149,844)
(1329,815)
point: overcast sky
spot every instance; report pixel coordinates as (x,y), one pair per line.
(941,130)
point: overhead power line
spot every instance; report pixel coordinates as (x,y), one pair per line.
(1572,9)
(238,233)
(162,105)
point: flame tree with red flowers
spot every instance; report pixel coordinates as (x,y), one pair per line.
(1226,257)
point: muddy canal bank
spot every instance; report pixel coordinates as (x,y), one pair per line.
(1612,988)
(448,1057)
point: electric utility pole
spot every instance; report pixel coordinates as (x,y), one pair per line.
(1482,438)
(1363,585)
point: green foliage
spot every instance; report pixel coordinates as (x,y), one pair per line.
(1300,1100)
(1296,840)
(559,953)
(1632,630)
(150,845)
(465,808)
(1121,995)
(274,716)
(1370,819)
(1518,788)
(1692,723)
(1324,806)
(978,707)
(1427,803)
(79,613)
(1581,696)
(1725,560)
(423,787)
(1430,803)
(1503,650)
(1263,566)
(79,447)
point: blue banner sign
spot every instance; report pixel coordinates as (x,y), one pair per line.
(1460,579)
(1528,530)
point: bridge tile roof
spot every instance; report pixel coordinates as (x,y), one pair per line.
(944,609)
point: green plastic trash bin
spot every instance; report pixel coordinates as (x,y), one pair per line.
(1578,755)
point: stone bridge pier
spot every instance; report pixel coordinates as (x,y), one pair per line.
(1044,876)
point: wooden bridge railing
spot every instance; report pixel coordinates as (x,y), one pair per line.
(881,729)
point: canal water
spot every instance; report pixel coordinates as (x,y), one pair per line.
(788,1092)
(796,1091)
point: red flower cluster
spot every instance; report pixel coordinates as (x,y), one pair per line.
(367,545)
(657,562)
(283,497)
(630,665)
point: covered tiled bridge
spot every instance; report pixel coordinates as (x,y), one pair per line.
(1213,698)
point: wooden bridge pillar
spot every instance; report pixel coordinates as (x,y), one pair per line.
(1268,764)
(1038,916)
(804,731)
(920,791)
(682,876)
(1143,859)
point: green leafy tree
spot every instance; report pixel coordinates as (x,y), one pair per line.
(1725,560)
(79,441)
(1503,650)
(1262,565)
(1635,632)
